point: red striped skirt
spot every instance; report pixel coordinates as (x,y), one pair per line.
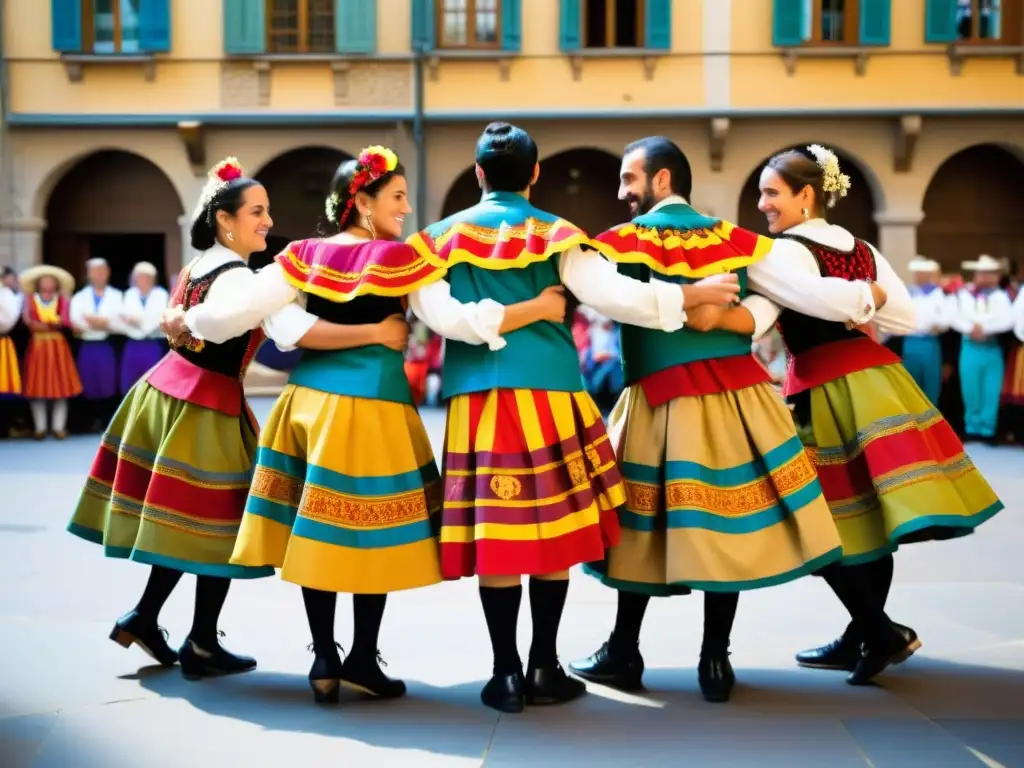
(50,372)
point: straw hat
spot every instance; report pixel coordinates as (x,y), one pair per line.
(984,263)
(30,278)
(921,264)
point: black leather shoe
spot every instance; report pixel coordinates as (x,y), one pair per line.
(715,676)
(197,662)
(325,674)
(623,671)
(133,629)
(550,685)
(363,674)
(842,653)
(896,645)
(504,693)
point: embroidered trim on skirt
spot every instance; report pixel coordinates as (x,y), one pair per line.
(722,496)
(531,484)
(346,495)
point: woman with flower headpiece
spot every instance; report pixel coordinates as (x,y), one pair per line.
(891,468)
(168,484)
(345,492)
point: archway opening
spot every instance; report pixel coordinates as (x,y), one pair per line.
(463,193)
(855,212)
(972,206)
(117,206)
(581,185)
(297,183)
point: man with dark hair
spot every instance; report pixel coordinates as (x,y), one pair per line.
(720,494)
(530,480)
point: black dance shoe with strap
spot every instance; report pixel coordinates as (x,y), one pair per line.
(505,693)
(550,685)
(844,653)
(325,674)
(616,668)
(134,629)
(362,673)
(198,662)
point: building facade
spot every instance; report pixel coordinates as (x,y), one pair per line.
(113,109)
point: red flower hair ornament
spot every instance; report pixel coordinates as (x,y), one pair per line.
(372,163)
(222,174)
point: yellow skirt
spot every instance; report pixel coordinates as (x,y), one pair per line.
(722,496)
(345,496)
(10,376)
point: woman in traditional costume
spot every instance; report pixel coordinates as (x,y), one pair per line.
(142,307)
(50,373)
(169,482)
(346,492)
(10,375)
(891,468)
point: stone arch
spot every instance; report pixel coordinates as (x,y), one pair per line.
(463,193)
(855,212)
(297,182)
(116,205)
(581,185)
(972,205)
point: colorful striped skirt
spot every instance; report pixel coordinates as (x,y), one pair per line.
(346,496)
(892,469)
(50,372)
(722,496)
(1013,380)
(10,375)
(168,485)
(530,484)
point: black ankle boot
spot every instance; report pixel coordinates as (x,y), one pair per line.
(715,676)
(151,638)
(198,662)
(613,667)
(325,674)
(886,646)
(363,673)
(550,685)
(505,693)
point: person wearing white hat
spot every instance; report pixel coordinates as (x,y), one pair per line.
(143,305)
(95,311)
(922,353)
(981,311)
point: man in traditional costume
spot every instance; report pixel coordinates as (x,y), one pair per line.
(530,479)
(721,495)
(50,373)
(143,304)
(922,352)
(980,312)
(95,313)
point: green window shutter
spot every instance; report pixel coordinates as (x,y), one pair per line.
(512,25)
(66,25)
(658,20)
(875,22)
(788,22)
(245,26)
(570,34)
(940,21)
(423,26)
(355,26)
(155,26)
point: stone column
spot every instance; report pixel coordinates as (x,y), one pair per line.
(897,237)
(21,242)
(184,252)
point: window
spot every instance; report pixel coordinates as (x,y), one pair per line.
(300,26)
(111,26)
(831,21)
(468,23)
(979,20)
(613,23)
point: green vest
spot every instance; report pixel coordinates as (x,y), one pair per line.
(540,356)
(375,373)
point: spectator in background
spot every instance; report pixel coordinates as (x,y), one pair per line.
(922,352)
(140,322)
(95,313)
(602,368)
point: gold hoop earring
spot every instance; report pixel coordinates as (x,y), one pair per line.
(369,226)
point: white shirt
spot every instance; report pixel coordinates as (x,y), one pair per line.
(147,311)
(1018,314)
(84,303)
(992,312)
(789,277)
(9,309)
(932,311)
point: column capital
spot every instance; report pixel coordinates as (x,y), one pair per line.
(899,218)
(25,224)
(185,220)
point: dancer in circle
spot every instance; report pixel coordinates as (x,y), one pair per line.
(169,482)
(893,471)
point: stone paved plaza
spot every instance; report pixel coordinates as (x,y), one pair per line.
(71,698)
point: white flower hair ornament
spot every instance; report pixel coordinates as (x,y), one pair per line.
(331,207)
(222,174)
(834,183)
